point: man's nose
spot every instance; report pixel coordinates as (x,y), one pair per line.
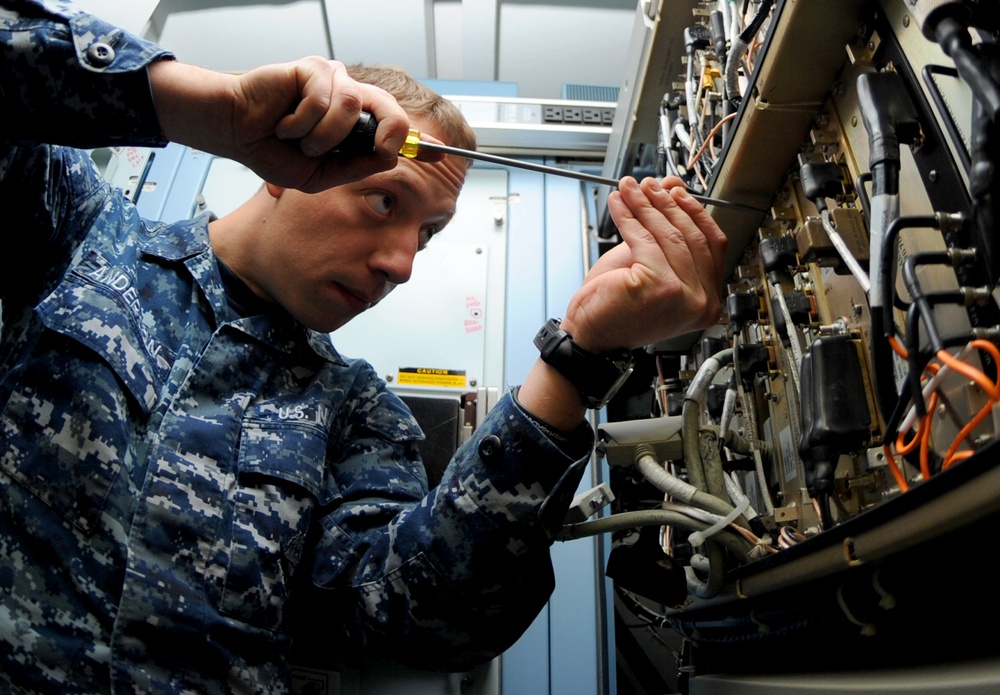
(394,257)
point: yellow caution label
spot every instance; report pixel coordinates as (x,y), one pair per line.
(427,376)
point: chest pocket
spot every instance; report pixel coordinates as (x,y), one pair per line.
(68,425)
(105,317)
(280,477)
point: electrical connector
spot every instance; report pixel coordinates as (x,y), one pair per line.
(588,503)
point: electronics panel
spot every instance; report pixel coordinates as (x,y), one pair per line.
(797,489)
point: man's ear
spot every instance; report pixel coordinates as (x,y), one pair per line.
(274,190)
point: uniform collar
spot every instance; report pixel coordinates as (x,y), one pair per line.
(187,242)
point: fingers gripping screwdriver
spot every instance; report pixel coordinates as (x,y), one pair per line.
(361,140)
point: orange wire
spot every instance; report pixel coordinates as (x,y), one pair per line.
(894,469)
(921,434)
(959,456)
(898,348)
(708,138)
(991,389)
(925,438)
(901,445)
(971,372)
(965,432)
(988,347)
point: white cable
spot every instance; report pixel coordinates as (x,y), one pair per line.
(758,464)
(689,91)
(682,135)
(737,496)
(699,537)
(735,26)
(727,17)
(929,387)
(664,481)
(793,334)
(704,516)
(845,253)
(728,409)
(884,208)
(705,374)
(737,48)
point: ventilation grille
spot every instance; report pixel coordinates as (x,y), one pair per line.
(590,92)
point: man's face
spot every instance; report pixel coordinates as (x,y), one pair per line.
(329,256)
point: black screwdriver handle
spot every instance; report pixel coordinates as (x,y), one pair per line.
(361,139)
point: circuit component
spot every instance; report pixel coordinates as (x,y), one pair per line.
(857,361)
(836,419)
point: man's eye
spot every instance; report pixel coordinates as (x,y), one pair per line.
(380,202)
(426,235)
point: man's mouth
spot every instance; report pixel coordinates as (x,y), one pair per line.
(359,300)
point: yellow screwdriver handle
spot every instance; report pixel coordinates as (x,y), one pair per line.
(411,147)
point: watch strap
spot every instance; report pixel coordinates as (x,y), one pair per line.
(596,376)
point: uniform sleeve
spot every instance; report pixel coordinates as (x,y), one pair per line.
(69,78)
(452,578)
(66,78)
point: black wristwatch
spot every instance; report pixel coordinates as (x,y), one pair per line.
(596,376)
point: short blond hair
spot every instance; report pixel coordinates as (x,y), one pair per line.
(419,101)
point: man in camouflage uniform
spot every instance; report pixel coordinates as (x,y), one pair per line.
(188,467)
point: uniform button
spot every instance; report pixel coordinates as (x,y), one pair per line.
(491,449)
(100,55)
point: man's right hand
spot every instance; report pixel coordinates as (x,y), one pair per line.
(664,279)
(282,121)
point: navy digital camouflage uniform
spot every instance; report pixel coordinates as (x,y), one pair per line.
(170,469)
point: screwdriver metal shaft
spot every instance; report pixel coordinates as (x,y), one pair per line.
(556,171)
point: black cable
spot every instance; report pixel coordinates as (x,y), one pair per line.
(890,119)
(953,37)
(757,22)
(905,393)
(648,616)
(883,373)
(917,296)
(913,358)
(866,203)
(922,308)
(892,424)
(985,153)
(888,252)
(883,323)
(825,517)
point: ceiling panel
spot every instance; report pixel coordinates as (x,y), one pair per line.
(538,46)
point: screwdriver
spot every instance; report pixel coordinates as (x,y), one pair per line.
(362,139)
